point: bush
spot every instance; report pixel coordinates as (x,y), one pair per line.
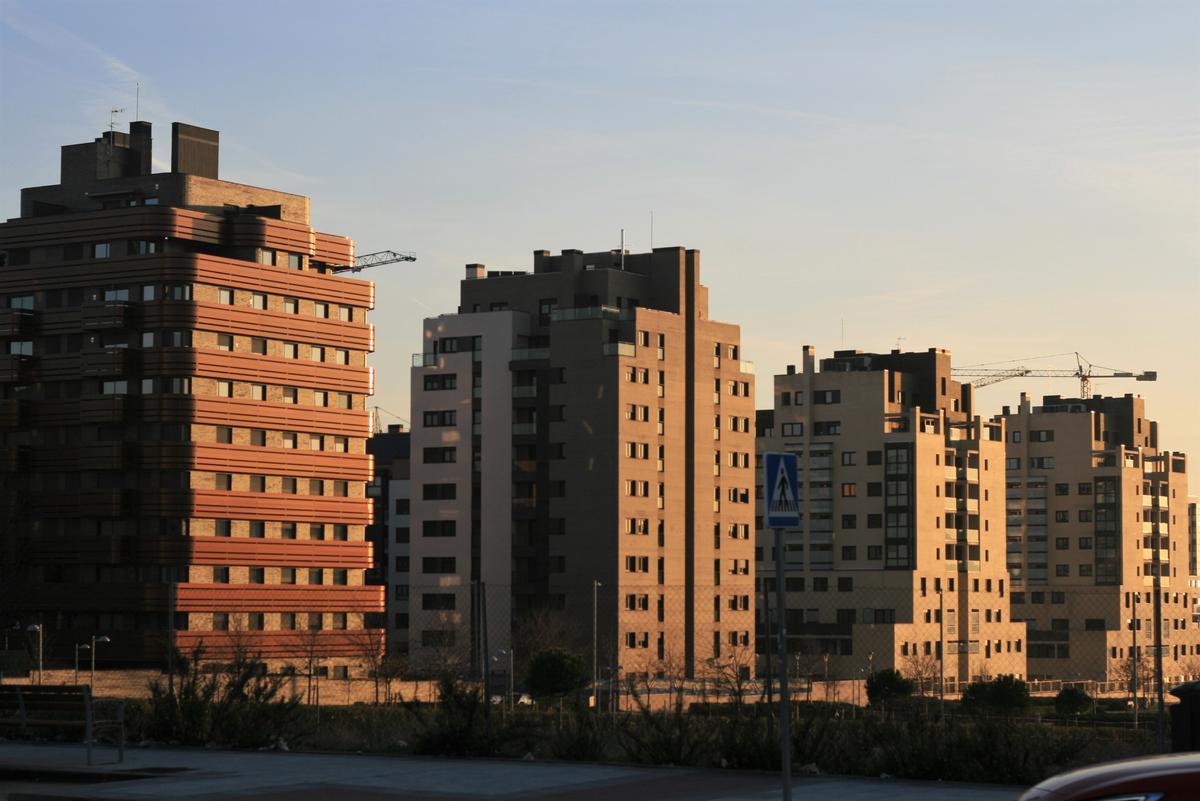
(455,725)
(556,672)
(1072,701)
(887,685)
(1003,694)
(241,707)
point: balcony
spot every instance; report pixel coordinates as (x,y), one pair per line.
(107,314)
(746,368)
(591,313)
(13,413)
(424,359)
(108,362)
(16,369)
(107,408)
(525,391)
(529,354)
(17,322)
(519,429)
(619,349)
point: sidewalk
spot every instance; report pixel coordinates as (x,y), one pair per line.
(271,776)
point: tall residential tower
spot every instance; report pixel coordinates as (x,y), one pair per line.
(900,557)
(182,416)
(582,446)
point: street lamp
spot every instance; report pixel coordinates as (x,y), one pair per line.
(79,647)
(96,641)
(512,687)
(595,662)
(38,628)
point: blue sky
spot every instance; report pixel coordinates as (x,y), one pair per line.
(1002,179)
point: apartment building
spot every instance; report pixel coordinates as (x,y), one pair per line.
(1096,507)
(182,418)
(582,452)
(900,555)
(389,529)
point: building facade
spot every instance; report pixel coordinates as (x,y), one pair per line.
(389,529)
(582,451)
(1096,508)
(182,414)
(899,562)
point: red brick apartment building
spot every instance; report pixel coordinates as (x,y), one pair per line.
(182,420)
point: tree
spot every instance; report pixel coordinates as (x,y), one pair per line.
(887,685)
(556,672)
(1123,671)
(1072,700)
(1003,694)
(924,670)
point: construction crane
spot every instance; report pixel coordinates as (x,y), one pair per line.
(989,373)
(372,260)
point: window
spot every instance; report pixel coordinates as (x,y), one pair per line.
(258,301)
(266,256)
(321,310)
(827,429)
(439,419)
(224,435)
(849,490)
(291,306)
(294,261)
(439,382)
(848,457)
(258,483)
(223,481)
(258,392)
(316,353)
(116,294)
(258,437)
(341,357)
(440,455)
(258,346)
(1062,489)
(290,395)
(20,302)
(223,528)
(225,296)
(225,342)
(438,564)
(101,250)
(438,528)
(224,389)
(20,347)
(320,398)
(437,601)
(1012,463)
(291,350)
(792,429)
(346,314)
(439,492)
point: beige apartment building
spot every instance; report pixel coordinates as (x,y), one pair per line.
(900,555)
(1095,506)
(582,450)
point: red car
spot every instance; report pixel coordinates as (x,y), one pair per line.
(1169,777)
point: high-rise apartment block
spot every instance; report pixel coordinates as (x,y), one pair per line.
(1095,509)
(582,445)
(900,556)
(182,416)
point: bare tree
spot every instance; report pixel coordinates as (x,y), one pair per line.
(923,669)
(537,630)
(369,646)
(1123,671)
(732,672)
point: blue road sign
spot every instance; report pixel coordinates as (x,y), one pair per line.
(783,495)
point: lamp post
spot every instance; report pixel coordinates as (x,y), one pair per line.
(79,647)
(512,687)
(96,641)
(38,628)
(595,662)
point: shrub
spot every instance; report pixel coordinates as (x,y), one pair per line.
(1072,701)
(1003,694)
(887,685)
(455,725)
(555,672)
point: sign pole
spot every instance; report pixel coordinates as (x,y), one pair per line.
(782,511)
(785,710)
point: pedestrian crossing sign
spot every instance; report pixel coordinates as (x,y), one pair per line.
(782,493)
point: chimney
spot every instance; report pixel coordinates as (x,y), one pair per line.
(194,150)
(791,369)
(810,359)
(140,144)
(475,272)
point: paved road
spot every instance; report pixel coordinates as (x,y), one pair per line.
(184,775)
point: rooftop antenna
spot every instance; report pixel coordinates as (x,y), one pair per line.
(112,124)
(622,248)
(898,341)
(137,101)
(651,230)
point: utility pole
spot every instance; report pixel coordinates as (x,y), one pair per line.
(1133,656)
(595,657)
(942,652)
(785,735)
